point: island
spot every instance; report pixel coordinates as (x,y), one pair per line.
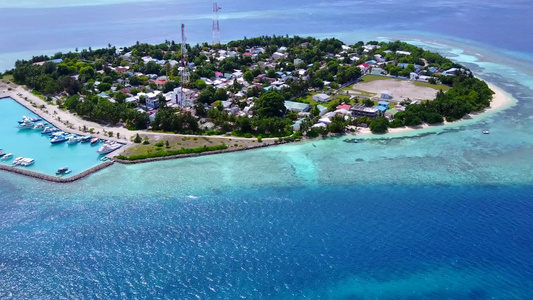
(172,100)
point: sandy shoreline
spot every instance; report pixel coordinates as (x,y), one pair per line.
(500,101)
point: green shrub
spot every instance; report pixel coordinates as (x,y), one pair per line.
(159,144)
(163,153)
(137,138)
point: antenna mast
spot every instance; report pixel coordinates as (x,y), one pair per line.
(185,73)
(216,25)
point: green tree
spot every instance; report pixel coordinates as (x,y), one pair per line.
(248,76)
(199,84)
(270,104)
(120,97)
(102,87)
(379,125)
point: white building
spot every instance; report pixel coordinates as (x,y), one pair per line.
(278,55)
(182,99)
(321,98)
(403,53)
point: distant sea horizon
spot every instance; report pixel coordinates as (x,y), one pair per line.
(431,214)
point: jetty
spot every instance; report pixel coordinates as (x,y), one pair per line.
(56,179)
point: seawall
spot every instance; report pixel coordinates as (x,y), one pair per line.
(152,159)
(56,178)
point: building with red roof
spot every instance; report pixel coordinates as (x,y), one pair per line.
(344,106)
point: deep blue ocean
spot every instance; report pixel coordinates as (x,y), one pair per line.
(442,213)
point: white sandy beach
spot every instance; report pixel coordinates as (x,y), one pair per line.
(500,101)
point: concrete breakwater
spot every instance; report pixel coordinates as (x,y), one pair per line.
(152,159)
(56,178)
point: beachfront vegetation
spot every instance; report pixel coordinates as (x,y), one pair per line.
(163,153)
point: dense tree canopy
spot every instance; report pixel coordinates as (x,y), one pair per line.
(270,104)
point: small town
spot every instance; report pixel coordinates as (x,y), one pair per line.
(286,88)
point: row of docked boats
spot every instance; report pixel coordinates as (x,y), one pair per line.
(57,136)
(19,161)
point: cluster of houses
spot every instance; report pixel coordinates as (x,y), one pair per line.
(185,98)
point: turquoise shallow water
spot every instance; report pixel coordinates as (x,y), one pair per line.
(31,143)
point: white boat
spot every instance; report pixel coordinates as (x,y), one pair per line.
(73,139)
(38,126)
(59,138)
(27,162)
(94,141)
(21,161)
(24,119)
(485,132)
(2,153)
(7,156)
(108,147)
(26,124)
(49,129)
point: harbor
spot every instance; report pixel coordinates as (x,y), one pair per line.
(32,146)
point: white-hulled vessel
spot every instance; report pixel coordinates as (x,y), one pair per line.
(38,126)
(49,129)
(59,138)
(108,147)
(7,156)
(17,160)
(73,139)
(27,124)
(27,162)
(24,119)
(21,161)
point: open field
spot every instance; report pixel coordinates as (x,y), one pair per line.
(400,89)
(372,85)
(177,142)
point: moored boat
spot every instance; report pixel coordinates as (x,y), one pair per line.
(17,160)
(63,170)
(109,147)
(38,126)
(86,139)
(27,124)
(59,138)
(94,141)
(73,139)
(7,156)
(25,119)
(22,161)
(2,153)
(49,129)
